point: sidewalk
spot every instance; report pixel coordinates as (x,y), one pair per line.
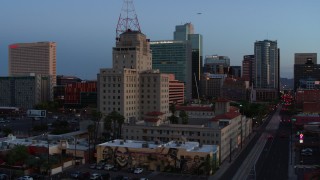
(226,163)
(291,168)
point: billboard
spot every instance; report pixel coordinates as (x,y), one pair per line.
(36,113)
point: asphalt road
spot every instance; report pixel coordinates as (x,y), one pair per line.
(275,157)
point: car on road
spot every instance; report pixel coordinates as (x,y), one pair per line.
(96,176)
(138,171)
(108,166)
(307,152)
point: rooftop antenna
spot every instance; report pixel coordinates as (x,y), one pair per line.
(128,19)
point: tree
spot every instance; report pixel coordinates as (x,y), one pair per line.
(184,117)
(17,155)
(90,129)
(96,117)
(117,120)
(208,165)
(172,108)
(173,119)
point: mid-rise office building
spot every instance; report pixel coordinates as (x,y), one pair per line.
(62,82)
(24,91)
(248,68)
(215,64)
(307,75)
(211,85)
(235,71)
(131,87)
(302,58)
(174,57)
(81,94)
(235,89)
(176,90)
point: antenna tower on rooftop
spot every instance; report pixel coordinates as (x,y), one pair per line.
(128,19)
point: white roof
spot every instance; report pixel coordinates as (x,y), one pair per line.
(188,146)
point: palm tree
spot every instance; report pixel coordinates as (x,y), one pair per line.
(117,120)
(90,129)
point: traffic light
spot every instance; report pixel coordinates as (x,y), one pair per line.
(301,138)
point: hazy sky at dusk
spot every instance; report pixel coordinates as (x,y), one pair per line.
(84,30)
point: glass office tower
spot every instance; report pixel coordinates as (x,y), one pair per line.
(173,57)
(266,64)
(186,33)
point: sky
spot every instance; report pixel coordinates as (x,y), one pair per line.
(85,30)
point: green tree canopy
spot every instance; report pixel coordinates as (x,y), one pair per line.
(17,155)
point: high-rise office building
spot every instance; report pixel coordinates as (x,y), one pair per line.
(266,68)
(38,58)
(266,64)
(302,58)
(186,33)
(174,57)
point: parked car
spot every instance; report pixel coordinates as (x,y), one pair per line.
(93,166)
(100,165)
(108,166)
(96,176)
(115,168)
(138,170)
(307,152)
(80,175)
(25,178)
(130,170)
(4,177)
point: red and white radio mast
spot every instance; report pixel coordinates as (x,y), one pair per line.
(128,19)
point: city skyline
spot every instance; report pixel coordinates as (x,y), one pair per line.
(85,31)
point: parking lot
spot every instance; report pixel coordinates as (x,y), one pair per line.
(124,174)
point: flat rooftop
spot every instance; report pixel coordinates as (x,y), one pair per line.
(188,146)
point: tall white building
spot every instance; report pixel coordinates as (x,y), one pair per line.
(131,87)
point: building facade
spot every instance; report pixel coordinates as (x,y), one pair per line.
(248,68)
(215,64)
(236,89)
(131,87)
(225,129)
(186,33)
(76,93)
(266,67)
(176,90)
(266,64)
(39,58)
(174,57)
(211,85)
(303,58)
(62,82)
(24,91)
(306,73)
(189,157)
